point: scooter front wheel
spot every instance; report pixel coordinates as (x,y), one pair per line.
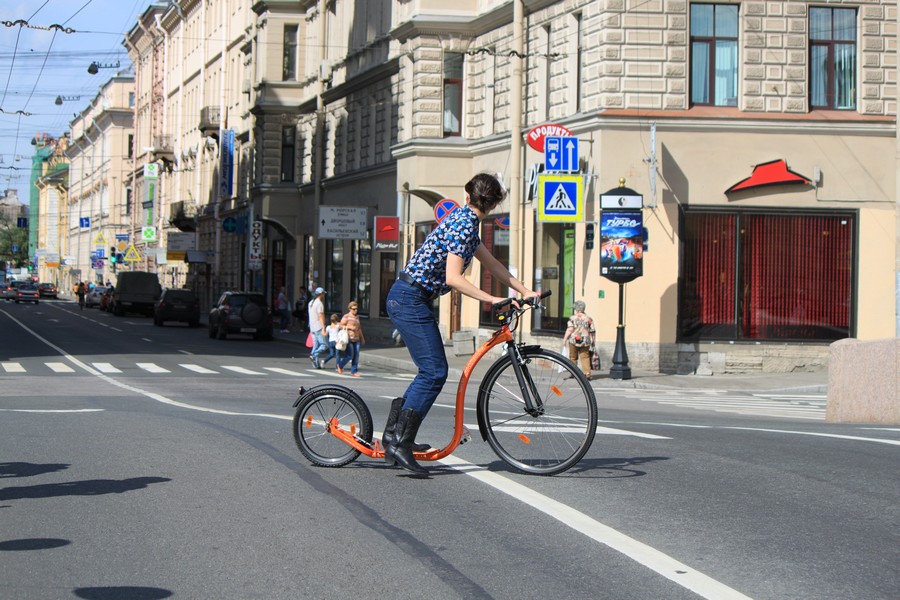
(318,412)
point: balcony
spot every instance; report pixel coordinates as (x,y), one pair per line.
(210,120)
(183,216)
(162,148)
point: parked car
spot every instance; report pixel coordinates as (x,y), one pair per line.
(241,312)
(92,298)
(136,291)
(47,290)
(27,293)
(176,304)
(8,290)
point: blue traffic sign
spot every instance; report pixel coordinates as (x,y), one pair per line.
(444,208)
(22,222)
(85,222)
(229,224)
(560,198)
(561,154)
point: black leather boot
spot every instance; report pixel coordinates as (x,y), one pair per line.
(387,438)
(400,451)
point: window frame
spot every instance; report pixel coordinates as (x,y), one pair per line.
(711,43)
(288,154)
(447,85)
(290,46)
(830,45)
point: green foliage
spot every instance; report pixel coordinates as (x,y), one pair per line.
(10,236)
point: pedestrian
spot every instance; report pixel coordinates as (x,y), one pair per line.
(317,327)
(300,310)
(580,338)
(80,291)
(437,267)
(350,322)
(334,327)
(284,310)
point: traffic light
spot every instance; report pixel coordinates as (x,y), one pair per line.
(589,236)
(112,254)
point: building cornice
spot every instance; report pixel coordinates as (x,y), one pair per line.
(363,80)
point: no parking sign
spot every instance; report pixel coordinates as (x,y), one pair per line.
(444,208)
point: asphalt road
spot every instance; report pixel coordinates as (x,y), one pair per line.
(144,462)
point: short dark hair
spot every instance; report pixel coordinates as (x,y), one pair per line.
(485,192)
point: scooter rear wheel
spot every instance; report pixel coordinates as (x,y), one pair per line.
(322,408)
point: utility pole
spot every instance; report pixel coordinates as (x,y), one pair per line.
(515,142)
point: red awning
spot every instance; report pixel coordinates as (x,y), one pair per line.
(775,172)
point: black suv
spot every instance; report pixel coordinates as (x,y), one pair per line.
(177,305)
(241,312)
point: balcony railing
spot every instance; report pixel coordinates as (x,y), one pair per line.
(210,119)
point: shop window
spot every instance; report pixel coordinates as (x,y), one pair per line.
(555,271)
(495,237)
(766,276)
(453,81)
(714,62)
(832,58)
(361,275)
(289,61)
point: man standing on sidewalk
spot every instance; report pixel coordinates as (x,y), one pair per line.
(317,327)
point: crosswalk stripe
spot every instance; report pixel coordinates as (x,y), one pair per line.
(286,372)
(152,368)
(58,367)
(105,367)
(197,369)
(13,367)
(241,370)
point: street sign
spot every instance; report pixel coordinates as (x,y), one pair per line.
(15,248)
(254,250)
(229,224)
(151,170)
(132,254)
(560,198)
(561,154)
(535,137)
(22,222)
(343,222)
(100,240)
(444,208)
(84,222)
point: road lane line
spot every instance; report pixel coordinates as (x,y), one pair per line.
(13,367)
(39,410)
(197,369)
(152,368)
(105,367)
(58,367)
(241,370)
(286,372)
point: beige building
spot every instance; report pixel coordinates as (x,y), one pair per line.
(99,204)
(52,228)
(761,137)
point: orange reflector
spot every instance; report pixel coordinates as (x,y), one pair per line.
(525,439)
(353,429)
(309,421)
(556,390)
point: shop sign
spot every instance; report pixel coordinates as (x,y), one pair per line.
(535,137)
(387,233)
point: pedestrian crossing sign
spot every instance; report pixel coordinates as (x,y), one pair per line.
(132,254)
(560,198)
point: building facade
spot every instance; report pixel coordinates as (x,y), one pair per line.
(761,137)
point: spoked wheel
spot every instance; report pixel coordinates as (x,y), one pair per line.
(559,433)
(318,411)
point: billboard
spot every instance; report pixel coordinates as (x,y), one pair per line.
(621,245)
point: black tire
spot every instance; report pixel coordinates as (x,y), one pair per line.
(553,440)
(252,314)
(212,331)
(221,331)
(157,322)
(313,418)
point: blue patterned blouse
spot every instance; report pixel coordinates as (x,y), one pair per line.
(457,234)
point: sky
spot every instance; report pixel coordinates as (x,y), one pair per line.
(48,57)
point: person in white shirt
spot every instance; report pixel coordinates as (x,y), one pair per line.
(317,327)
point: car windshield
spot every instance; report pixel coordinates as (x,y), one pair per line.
(179,296)
(242,299)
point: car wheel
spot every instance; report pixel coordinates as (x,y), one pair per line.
(252,313)
(157,322)
(222,331)
(212,331)
(118,312)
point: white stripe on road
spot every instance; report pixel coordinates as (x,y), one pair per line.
(241,370)
(197,369)
(152,368)
(58,367)
(105,367)
(13,367)
(38,410)
(286,372)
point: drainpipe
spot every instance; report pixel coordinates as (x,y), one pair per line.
(515,142)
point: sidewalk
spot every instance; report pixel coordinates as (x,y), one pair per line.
(397,358)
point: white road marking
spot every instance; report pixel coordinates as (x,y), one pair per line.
(152,368)
(58,367)
(197,369)
(241,370)
(38,410)
(13,367)
(286,372)
(105,367)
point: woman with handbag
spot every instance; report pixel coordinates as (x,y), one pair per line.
(350,323)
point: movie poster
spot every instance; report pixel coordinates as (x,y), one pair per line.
(621,245)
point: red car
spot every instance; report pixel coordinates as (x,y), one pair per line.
(47,289)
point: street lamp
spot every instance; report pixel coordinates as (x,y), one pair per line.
(96,66)
(60,99)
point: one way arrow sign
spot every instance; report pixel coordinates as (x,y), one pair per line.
(561,154)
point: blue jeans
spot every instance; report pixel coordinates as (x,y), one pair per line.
(350,353)
(320,344)
(332,352)
(413,316)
